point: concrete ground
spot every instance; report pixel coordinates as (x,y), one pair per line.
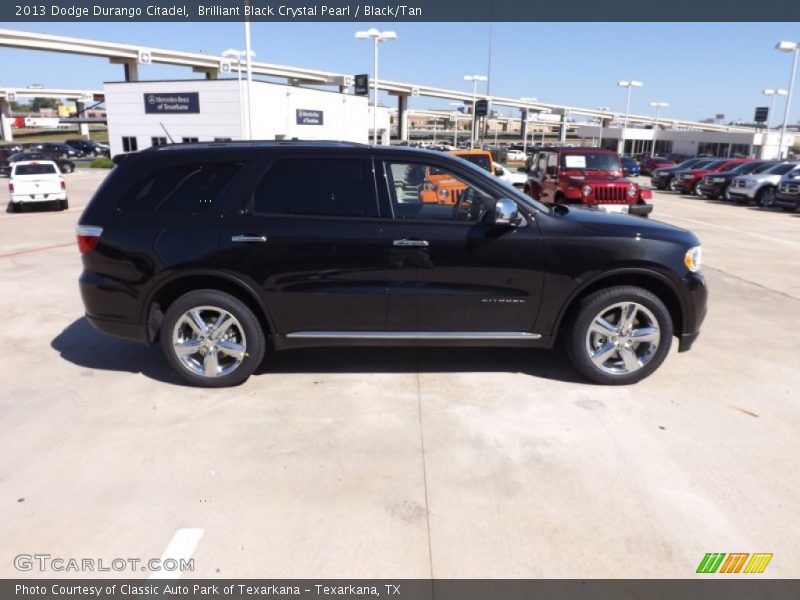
(405,463)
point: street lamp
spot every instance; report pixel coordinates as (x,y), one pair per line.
(527,123)
(604,109)
(795,48)
(377,37)
(474,79)
(238,55)
(658,106)
(630,85)
(455,121)
(773,93)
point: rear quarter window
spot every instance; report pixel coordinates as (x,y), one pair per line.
(189,189)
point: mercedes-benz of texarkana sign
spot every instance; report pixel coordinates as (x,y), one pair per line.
(221,250)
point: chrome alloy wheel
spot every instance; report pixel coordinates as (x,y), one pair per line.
(623,338)
(209,341)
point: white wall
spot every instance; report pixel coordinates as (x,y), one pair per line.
(274,106)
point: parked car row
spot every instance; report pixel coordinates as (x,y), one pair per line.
(62,153)
(766,183)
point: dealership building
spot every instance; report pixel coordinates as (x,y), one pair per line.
(142,114)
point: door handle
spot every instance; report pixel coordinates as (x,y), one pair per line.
(404,243)
(249,238)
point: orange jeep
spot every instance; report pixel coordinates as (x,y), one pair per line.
(440,188)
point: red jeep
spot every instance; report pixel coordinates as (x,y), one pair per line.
(586,176)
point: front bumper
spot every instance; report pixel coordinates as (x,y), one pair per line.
(787,200)
(741,194)
(711,189)
(685,186)
(696,304)
(660,182)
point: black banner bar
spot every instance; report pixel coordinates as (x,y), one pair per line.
(31,11)
(711,587)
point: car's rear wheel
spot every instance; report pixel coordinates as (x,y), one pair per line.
(619,335)
(212,339)
(63,204)
(766,197)
(16,207)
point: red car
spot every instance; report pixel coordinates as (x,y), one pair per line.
(588,177)
(655,162)
(686,181)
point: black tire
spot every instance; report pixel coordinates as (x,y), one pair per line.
(253,333)
(63,204)
(16,207)
(766,197)
(577,331)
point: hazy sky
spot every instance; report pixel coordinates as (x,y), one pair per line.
(699,68)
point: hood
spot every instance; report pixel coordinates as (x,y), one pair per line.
(596,177)
(629,226)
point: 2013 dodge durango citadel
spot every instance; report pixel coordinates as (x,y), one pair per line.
(221,250)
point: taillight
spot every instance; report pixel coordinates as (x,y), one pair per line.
(63,185)
(11,188)
(88,236)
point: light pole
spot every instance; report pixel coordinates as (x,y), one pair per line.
(474,79)
(773,93)
(630,85)
(455,123)
(605,109)
(527,123)
(377,37)
(795,48)
(658,106)
(248,52)
(238,55)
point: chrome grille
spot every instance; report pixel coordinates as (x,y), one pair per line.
(790,188)
(614,193)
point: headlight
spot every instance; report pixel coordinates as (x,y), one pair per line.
(750,183)
(587,190)
(656,173)
(632,191)
(687,176)
(693,259)
(444,193)
(718,179)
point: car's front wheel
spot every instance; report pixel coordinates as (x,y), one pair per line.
(766,197)
(212,339)
(619,335)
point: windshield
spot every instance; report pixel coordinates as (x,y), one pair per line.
(689,163)
(590,161)
(763,167)
(480,160)
(781,169)
(747,167)
(43,169)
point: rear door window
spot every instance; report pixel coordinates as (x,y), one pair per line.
(317,187)
(189,189)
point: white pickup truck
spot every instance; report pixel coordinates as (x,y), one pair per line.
(35,181)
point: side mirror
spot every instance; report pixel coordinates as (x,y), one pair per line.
(498,171)
(506,213)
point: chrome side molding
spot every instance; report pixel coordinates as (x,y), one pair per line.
(415,335)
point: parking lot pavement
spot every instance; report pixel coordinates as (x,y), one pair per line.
(406,463)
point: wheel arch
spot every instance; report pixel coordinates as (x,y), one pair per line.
(169,290)
(649,280)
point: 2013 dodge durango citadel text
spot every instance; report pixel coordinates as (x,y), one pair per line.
(218,250)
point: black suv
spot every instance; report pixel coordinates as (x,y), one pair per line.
(219,249)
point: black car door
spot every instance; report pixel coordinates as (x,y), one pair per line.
(449,270)
(309,239)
